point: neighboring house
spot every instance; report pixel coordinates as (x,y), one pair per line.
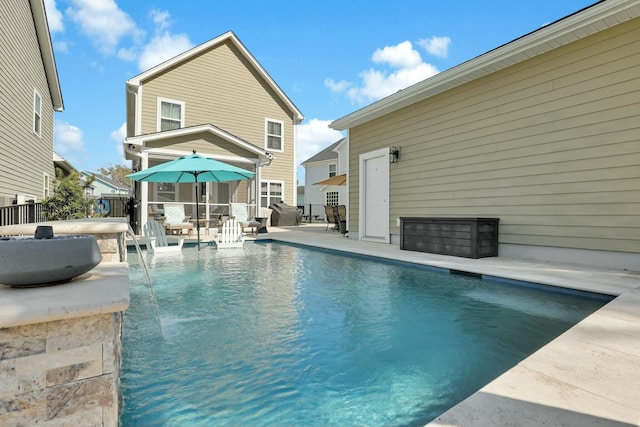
(330,163)
(103,186)
(218,100)
(62,164)
(542,133)
(300,197)
(30,94)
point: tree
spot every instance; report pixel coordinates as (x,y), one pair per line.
(68,200)
(117,173)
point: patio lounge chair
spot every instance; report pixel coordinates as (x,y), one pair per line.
(239,213)
(176,220)
(331,218)
(156,239)
(340,214)
(231,235)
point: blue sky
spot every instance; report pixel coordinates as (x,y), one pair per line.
(330,57)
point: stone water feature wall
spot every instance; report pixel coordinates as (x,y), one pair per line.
(60,345)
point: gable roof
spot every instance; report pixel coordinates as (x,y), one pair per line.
(326,154)
(46,51)
(228,36)
(140,140)
(590,20)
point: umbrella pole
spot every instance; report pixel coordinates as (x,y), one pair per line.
(197,215)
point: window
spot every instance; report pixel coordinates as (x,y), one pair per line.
(45,186)
(274,135)
(37,112)
(332,198)
(166,192)
(170,114)
(332,170)
(270,192)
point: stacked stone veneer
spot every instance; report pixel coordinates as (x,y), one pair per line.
(61,373)
(64,372)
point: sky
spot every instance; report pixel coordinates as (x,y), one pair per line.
(330,57)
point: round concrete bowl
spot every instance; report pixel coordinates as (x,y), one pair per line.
(28,261)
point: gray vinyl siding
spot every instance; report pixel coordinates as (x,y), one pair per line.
(219,87)
(25,157)
(550,146)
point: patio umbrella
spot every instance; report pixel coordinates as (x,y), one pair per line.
(192,168)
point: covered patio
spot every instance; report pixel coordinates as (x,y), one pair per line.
(214,198)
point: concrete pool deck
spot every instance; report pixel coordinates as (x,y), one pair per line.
(588,376)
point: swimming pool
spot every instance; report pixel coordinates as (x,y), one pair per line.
(282,335)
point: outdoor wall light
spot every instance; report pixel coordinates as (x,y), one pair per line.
(394,154)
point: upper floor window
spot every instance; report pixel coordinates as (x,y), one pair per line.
(274,135)
(333,170)
(37,112)
(170,114)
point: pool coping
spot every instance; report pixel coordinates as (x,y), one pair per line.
(588,376)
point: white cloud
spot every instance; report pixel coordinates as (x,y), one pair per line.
(67,138)
(400,66)
(118,136)
(334,86)
(399,56)
(314,136)
(54,16)
(160,19)
(162,47)
(103,22)
(437,46)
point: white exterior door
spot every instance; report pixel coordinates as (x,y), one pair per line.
(374,196)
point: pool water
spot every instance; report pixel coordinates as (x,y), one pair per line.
(279,335)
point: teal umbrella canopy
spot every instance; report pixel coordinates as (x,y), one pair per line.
(193,168)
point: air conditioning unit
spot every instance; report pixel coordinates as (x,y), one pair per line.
(22,199)
(7,200)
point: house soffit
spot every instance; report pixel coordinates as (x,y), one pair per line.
(139,80)
(593,19)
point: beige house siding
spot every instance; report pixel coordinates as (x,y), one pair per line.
(550,146)
(25,156)
(235,99)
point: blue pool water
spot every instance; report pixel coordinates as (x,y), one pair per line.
(278,335)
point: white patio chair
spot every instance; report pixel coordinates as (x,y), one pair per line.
(176,220)
(156,238)
(239,213)
(231,235)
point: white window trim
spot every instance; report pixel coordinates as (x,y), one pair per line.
(266,135)
(159,111)
(36,95)
(46,185)
(271,181)
(335,171)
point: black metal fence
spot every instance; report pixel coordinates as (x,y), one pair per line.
(21,214)
(313,213)
(28,213)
